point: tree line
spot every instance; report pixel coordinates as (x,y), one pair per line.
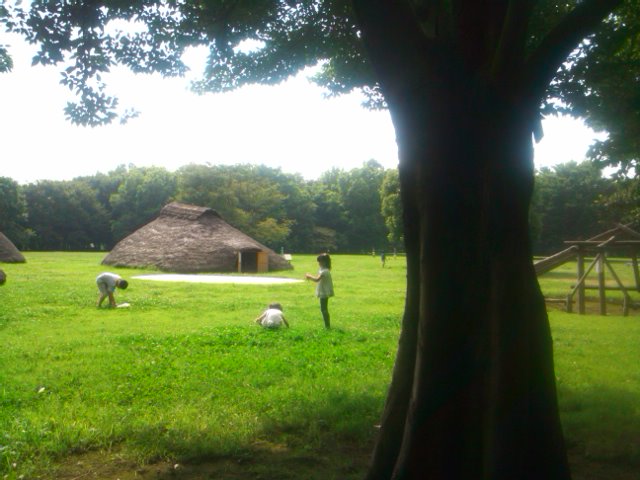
(342,211)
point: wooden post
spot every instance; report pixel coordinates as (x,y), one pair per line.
(601,285)
(581,295)
(580,284)
(636,274)
(627,299)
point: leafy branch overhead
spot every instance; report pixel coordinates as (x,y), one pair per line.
(88,38)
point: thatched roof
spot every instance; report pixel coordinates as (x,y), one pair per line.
(8,251)
(187,238)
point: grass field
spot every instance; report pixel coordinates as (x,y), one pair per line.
(184,385)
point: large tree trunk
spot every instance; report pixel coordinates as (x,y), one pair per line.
(473,391)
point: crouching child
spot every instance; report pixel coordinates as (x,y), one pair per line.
(272,317)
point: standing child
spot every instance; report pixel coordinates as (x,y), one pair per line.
(272,317)
(324,285)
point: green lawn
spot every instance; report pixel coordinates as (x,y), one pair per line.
(184,377)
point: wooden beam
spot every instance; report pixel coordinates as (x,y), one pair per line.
(601,284)
(597,243)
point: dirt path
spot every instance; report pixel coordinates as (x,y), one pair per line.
(193,278)
(275,463)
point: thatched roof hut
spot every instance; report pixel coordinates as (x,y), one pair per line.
(8,251)
(187,238)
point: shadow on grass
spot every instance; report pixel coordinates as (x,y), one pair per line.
(330,438)
(602,428)
(602,431)
(558,275)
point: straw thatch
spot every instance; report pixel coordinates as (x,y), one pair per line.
(186,239)
(8,251)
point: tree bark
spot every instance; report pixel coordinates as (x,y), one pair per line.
(473,390)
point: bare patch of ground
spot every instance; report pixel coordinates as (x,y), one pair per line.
(276,462)
(201,278)
(583,468)
(265,461)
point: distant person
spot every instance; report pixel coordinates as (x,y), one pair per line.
(3,277)
(107,283)
(324,286)
(272,317)
(383,258)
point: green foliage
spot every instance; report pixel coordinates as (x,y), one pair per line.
(12,212)
(569,204)
(86,41)
(600,82)
(280,210)
(258,200)
(349,207)
(271,232)
(391,207)
(625,200)
(361,198)
(331,215)
(79,37)
(341,211)
(6,62)
(139,198)
(65,216)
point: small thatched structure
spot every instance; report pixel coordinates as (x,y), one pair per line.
(8,251)
(187,238)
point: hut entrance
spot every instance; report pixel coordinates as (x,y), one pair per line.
(253,261)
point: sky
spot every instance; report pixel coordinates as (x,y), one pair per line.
(291,126)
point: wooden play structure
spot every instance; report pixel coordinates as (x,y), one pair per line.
(621,241)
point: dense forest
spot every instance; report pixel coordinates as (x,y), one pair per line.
(353,211)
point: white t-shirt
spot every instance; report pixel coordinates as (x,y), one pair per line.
(272,318)
(324,287)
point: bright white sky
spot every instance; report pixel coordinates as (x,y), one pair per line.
(290,126)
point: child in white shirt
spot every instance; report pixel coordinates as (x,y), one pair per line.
(272,317)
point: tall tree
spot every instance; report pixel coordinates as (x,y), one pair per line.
(139,198)
(331,217)
(391,207)
(361,200)
(251,198)
(570,203)
(298,209)
(13,212)
(473,390)
(65,216)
